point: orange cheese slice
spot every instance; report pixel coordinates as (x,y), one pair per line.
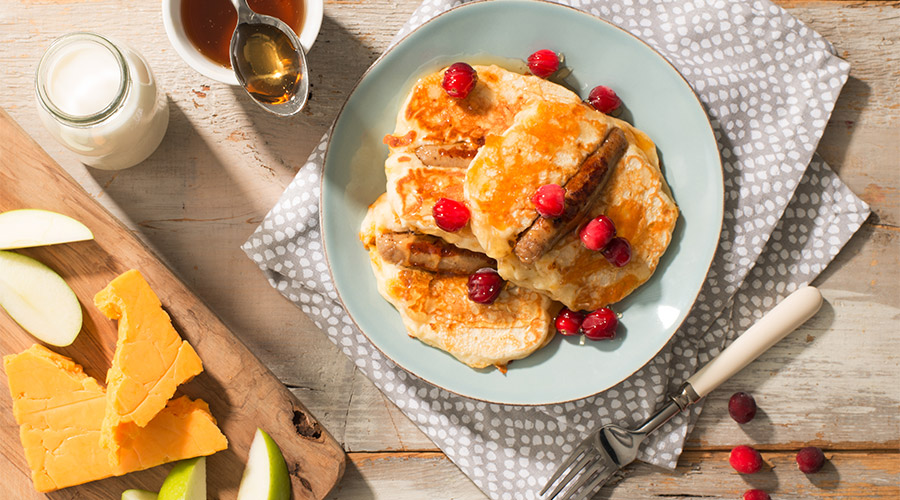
(150,362)
(60,412)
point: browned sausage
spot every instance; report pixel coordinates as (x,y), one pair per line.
(429,253)
(581,191)
(457,155)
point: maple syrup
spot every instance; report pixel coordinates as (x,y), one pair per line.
(268,64)
(209,24)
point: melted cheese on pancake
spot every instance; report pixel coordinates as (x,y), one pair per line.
(489,108)
(435,118)
(412,190)
(435,307)
(547,144)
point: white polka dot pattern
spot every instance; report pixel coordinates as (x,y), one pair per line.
(769,84)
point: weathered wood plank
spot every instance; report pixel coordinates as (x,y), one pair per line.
(224,163)
(394,476)
(862,141)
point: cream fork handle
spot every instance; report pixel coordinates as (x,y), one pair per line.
(784,318)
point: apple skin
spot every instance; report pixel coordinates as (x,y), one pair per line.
(266,474)
(186,481)
(39,300)
(33,228)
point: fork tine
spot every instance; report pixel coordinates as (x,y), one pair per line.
(601,479)
(576,453)
(600,466)
(587,457)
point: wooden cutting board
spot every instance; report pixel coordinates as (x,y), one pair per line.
(241,392)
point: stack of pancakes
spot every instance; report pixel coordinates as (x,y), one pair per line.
(491,151)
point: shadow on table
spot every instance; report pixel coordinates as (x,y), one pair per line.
(189,207)
(352,485)
(336,62)
(829,478)
(841,127)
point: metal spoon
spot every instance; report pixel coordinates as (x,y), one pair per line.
(269,61)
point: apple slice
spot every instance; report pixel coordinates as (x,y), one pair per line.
(138,495)
(39,299)
(266,475)
(34,228)
(186,481)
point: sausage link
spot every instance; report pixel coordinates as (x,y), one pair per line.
(582,189)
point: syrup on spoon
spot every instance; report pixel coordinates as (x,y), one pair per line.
(269,61)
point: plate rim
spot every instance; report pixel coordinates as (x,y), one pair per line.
(708,130)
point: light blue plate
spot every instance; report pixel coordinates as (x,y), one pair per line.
(659,102)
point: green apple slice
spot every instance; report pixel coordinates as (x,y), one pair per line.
(187,481)
(34,228)
(138,495)
(39,299)
(266,475)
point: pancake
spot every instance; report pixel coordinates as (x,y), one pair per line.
(429,118)
(546,144)
(489,109)
(435,307)
(412,190)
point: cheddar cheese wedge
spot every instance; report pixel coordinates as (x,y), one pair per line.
(60,411)
(150,362)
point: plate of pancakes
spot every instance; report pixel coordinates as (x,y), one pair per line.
(400,144)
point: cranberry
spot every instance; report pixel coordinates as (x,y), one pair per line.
(485,285)
(604,99)
(742,407)
(600,324)
(459,80)
(745,460)
(568,322)
(810,459)
(450,215)
(756,495)
(618,252)
(597,233)
(550,200)
(543,63)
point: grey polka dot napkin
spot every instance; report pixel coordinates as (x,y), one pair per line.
(769,84)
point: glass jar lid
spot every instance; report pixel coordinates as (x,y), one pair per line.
(82,79)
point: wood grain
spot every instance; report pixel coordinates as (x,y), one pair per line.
(224,163)
(242,393)
(700,474)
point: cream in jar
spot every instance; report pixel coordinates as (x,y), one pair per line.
(100,100)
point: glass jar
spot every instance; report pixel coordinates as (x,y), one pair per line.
(100,100)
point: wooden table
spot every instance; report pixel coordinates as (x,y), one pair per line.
(224,162)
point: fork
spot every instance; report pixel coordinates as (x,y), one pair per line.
(612,447)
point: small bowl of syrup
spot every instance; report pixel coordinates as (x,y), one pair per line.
(200,30)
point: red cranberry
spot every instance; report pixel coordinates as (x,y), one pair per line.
(745,460)
(742,407)
(597,233)
(618,252)
(543,63)
(810,459)
(485,285)
(756,495)
(568,322)
(450,215)
(550,200)
(600,324)
(459,80)
(604,99)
